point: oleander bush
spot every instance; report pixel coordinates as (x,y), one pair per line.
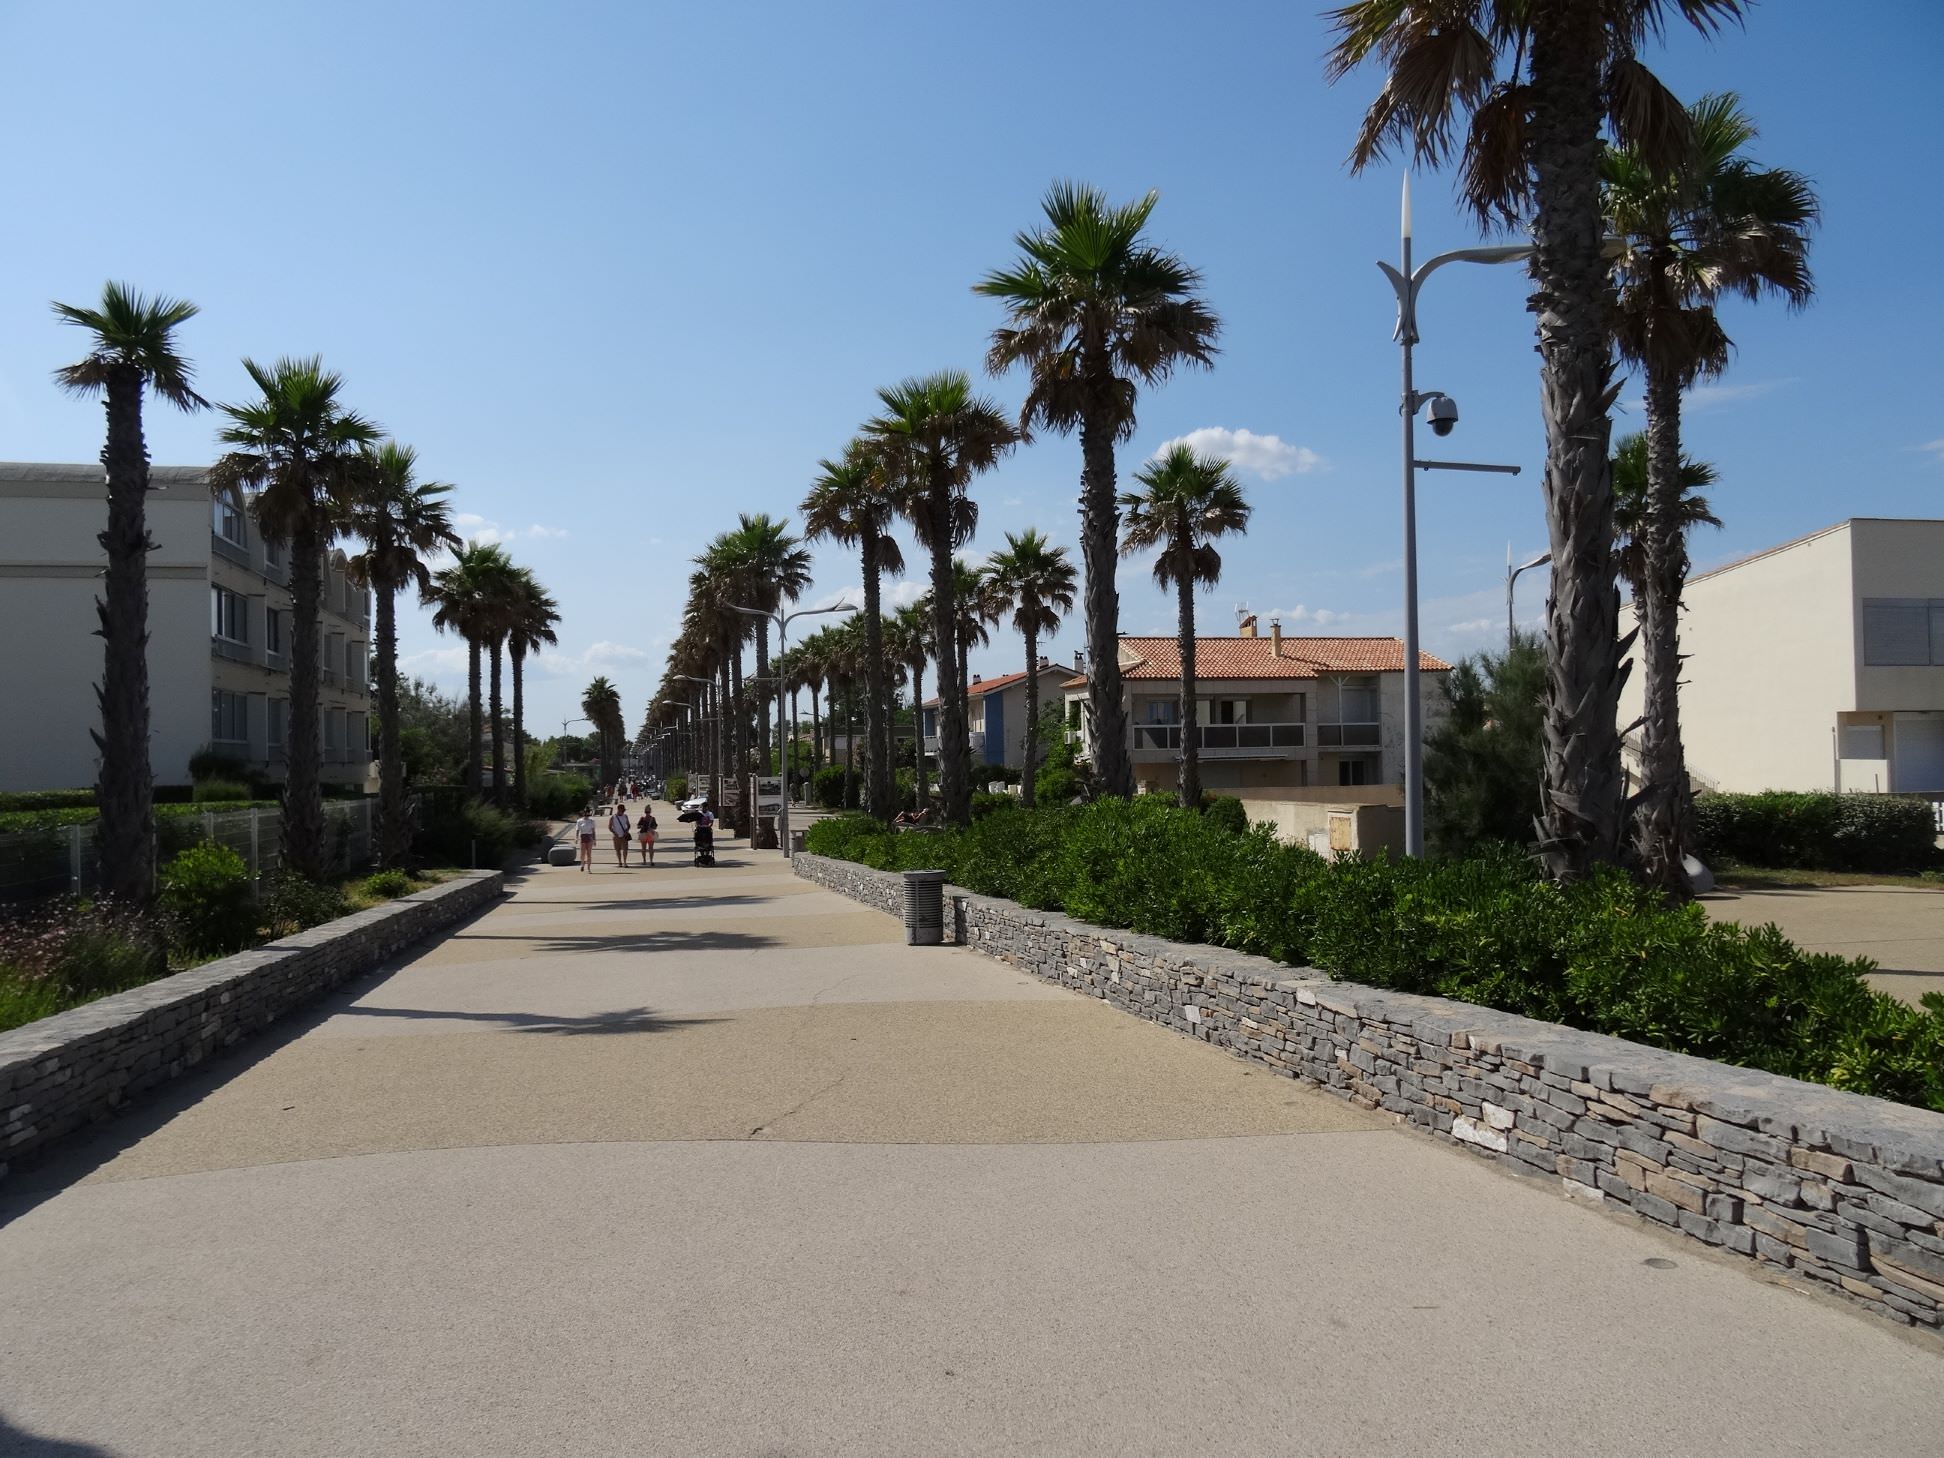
(296,904)
(1225,811)
(1817,831)
(1606,954)
(207,901)
(677,789)
(558,796)
(827,787)
(460,831)
(63,953)
(384,885)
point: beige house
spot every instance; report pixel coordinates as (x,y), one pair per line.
(1816,665)
(1278,714)
(219,634)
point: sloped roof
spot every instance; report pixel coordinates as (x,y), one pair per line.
(1253,658)
(1004,681)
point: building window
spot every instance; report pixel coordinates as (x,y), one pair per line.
(273,557)
(228,522)
(333,729)
(1862,741)
(1356,704)
(273,631)
(1903,632)
(1352,772)
(360,728)
(229,717)
(228,615)
(279,712)
(1164,711)
(354,664)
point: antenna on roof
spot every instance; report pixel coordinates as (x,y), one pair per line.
(1241,611)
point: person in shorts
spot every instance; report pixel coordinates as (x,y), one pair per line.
(584,832)
(619,827)
(647,827)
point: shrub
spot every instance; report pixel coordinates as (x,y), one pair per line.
(213,764)
(296,904)
(558,797)
(207,901)
(1056,785)
(383,885)
(1225,811)
(65,953)
(827,787)
(220,792)
(17,801)
(677,788)
(986,802)
(467,832)
(1604,954)
(1817,831)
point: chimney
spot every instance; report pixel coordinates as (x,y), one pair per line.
(1275,637)
(975,678)
(1044,661)
(1247,627)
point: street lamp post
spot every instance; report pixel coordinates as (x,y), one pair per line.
(701,719)
(783,621)
(1511,577)
(1407,283)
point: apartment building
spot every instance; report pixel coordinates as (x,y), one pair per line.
(1278,714)
(219,633)
(1817,664)
(996,711)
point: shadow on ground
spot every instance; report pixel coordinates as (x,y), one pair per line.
(652,941)
(19,1443)
(632,1020)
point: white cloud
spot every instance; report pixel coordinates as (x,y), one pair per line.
(1934,449)
(476,528)
(1290,617)
(1269,457)
(596,658)
(1472,625)
(438,664)
(1713,397)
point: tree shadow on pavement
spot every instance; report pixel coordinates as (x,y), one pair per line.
(654,903)
(630,1020)
(648,941)
(18,1441)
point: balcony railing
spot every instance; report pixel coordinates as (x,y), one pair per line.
(1221,738)
(234,551)
(229,648)
(1347,736)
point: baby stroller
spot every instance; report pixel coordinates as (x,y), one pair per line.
(704,837)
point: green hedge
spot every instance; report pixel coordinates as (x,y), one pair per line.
(1818,832)
(54,818)
(1605,955)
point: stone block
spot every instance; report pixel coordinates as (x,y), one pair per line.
(1838,1248)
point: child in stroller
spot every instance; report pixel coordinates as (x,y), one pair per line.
(703,819)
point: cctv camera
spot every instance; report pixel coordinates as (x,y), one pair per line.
(1444,415)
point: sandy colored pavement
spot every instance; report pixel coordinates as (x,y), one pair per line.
(1900,928)
(709,1162)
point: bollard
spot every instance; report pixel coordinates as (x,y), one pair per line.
(924,908)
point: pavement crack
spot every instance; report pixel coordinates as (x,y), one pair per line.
(799,1106)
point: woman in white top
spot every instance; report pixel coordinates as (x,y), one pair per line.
(584,833)
(619,827)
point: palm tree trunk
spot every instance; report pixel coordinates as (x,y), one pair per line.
(499,746)
(474,728)
(518,653)
(394,830)
(1580,812)
(1190,776)
(1660,820)
(876,707)
(1027,790)
(918,727)
(1099,550)
(124,783)
(954,747)
(303,808)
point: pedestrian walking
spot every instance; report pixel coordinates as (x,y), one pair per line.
(619,827)
(647,825)
(584,830)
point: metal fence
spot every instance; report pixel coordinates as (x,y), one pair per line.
(66,859)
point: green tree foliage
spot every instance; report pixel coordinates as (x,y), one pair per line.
(1482,766)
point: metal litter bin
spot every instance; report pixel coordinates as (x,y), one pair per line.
(924,908)
(796,841)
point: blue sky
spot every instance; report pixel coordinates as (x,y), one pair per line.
(620,271)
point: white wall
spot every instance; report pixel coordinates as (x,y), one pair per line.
(1771,647)
(49,659)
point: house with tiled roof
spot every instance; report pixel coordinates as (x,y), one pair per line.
(1278,713)
(997,709)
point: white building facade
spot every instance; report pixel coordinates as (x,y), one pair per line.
(1816,665)
(219,634)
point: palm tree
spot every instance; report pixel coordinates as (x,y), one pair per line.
(601,702)
(299,450)
(1094,312)
(851,502)
(530,628)
(466,596)
(911,645)
(1536,84)
(1630,508)
(1035,581)
(1185,502)
(812,668)
(774,568)
(134,346)
(935,435)
(1715,223)
(402,521)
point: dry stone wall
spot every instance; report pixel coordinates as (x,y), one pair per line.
(78,1066)
(1836,1188)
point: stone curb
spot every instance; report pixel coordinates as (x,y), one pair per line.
(1841,1189)
(79,1066)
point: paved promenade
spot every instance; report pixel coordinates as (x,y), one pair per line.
(693,1162)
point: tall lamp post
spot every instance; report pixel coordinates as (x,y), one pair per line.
(783,621)
(1443,416)
(1511,577)
(701,719)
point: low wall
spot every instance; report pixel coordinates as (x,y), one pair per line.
(78,1066)
(1331,827)
(1840,1189)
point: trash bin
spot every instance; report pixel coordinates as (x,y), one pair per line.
(924,908)
(796,841)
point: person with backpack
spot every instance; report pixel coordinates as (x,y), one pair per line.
(619,827)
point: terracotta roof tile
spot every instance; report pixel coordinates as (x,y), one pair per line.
(993,685)
(1251,658)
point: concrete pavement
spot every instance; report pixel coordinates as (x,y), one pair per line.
(709,1162)
(1900,928)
